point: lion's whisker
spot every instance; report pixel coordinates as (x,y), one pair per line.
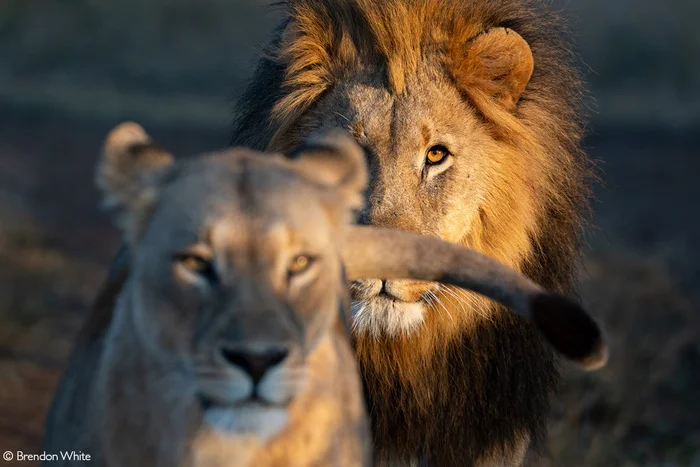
(437,300)
(464,301)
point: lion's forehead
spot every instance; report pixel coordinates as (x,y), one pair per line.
(430,106)
(238,206)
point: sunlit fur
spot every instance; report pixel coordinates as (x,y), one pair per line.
(460,382)
(381,315)
(152,380)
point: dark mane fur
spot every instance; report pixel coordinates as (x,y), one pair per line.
(451,397)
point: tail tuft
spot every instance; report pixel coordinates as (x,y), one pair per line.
(570,330)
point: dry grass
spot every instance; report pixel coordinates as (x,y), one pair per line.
(642,409)
(174,61)
(42,294)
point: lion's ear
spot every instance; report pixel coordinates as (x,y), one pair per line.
(497,62)
(128,176)
(334,160)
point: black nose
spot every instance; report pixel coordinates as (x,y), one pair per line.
(255,363)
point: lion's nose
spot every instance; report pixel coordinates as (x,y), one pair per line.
(255,363)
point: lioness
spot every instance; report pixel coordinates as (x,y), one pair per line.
(469,114)
(228,344)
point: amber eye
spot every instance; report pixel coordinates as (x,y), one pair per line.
(300,264)
(436,155)
(198,265)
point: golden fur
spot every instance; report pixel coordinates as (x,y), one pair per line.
(450,378)
(152,379)
(214,354)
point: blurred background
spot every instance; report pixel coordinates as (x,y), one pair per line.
(69,71)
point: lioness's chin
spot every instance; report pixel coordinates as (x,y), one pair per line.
(248,420)
(384,316)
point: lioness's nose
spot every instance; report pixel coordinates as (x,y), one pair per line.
(255,363)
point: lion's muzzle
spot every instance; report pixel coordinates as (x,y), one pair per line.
(406,291)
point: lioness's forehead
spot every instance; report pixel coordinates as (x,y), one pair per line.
(243,197)
(237,177)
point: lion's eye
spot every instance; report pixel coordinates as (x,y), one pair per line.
(300,264)
(436,155)
(197,265)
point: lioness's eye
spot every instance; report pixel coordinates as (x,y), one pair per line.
(197,265)
(436,155)
(300,264)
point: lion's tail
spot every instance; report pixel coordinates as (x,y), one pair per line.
(371,252)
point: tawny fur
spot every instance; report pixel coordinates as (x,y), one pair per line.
(467,384)
(147,383)
(132,391)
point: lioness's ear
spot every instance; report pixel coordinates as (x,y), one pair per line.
(497,62)
(128,175)
(333,159)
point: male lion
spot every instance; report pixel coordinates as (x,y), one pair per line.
(468,111)
(228,345)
